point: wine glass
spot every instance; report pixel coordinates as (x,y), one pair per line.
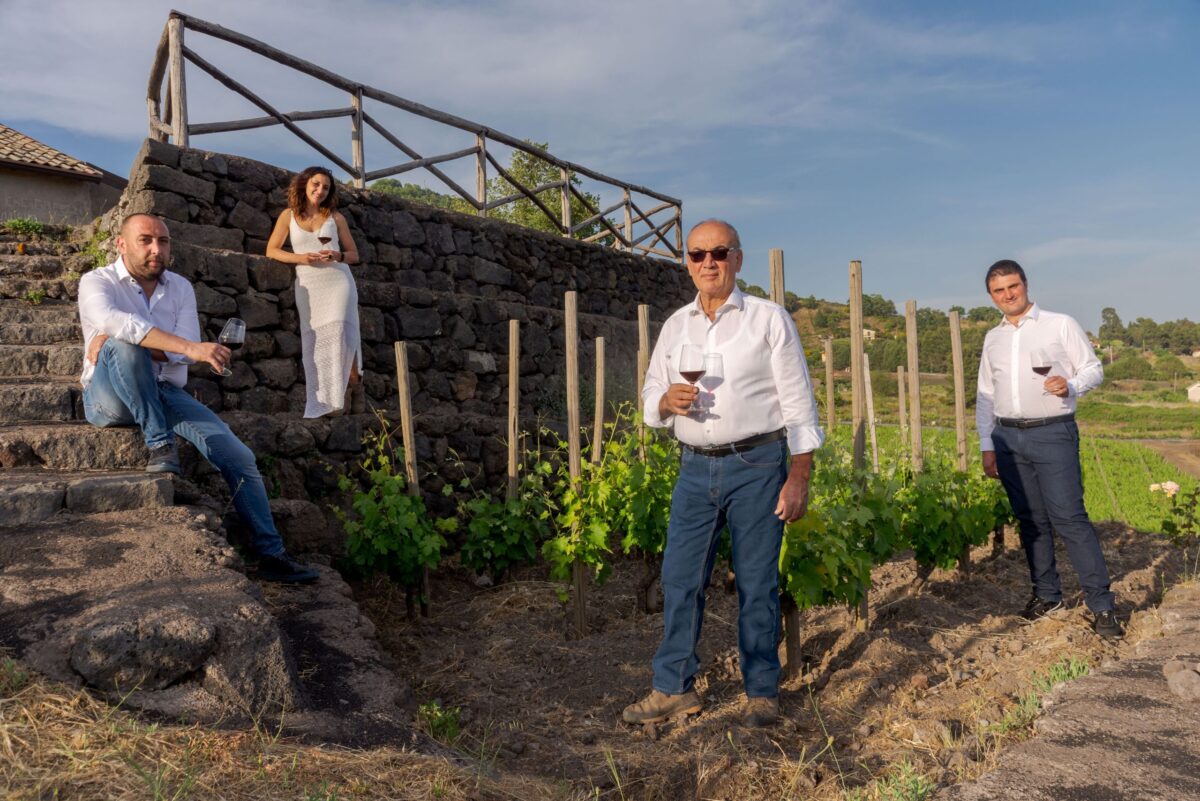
(691,367)
(1040,361)
(714,376)
(325,232)
(232,336)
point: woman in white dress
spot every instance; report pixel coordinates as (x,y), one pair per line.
(326,297)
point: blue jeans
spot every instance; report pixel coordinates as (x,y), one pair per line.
(739,490)
(1039,468)
(123,390)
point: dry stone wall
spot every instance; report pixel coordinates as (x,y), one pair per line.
(446,283)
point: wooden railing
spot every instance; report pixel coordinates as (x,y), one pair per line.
(657,230)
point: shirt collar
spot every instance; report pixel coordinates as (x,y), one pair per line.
(124,276)
(736,300)
(1032,313)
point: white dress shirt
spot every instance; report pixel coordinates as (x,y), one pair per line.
(1009,388)
(762,384)
(112,303)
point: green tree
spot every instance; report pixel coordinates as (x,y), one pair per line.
(984,314)
(421,194)
(752,289)
(1110,325)
(531,172)
(878,306)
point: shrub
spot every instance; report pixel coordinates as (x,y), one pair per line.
(24,226)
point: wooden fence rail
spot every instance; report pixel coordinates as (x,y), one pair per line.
(170,121)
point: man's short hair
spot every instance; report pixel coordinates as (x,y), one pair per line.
(737,240)
(1003,267)
(128,218)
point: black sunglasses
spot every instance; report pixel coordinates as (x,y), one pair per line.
(718,254)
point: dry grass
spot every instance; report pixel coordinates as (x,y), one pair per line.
(56,742)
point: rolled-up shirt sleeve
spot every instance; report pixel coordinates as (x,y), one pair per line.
(985,416)
(658,381)
(794,388)
(187,323)
(1089,373)
(100,314)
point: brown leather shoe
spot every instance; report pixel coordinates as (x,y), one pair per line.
(657,707)
(761,712)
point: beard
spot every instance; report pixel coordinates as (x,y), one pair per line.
(149,269)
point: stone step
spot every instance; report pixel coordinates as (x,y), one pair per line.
(22,287)
(41,361)
(24,399)
(38,334)
(71,446)
(10,246)
(30,496)
(47,311)
(32,266)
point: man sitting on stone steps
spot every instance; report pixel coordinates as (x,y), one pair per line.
(140,332)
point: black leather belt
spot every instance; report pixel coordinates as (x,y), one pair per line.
(741,445)
(1033,422)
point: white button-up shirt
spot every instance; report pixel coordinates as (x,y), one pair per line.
(1008,386)
(760,383)
(112,303)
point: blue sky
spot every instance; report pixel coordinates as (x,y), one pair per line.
(926,139)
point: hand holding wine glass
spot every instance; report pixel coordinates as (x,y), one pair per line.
(232,336)
(1039,360)
(691,367)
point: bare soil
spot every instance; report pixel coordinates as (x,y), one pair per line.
(930,682)
(1183,453)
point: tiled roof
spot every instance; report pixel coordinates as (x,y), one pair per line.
(23,151)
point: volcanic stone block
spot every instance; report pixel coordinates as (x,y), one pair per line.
(111,493)
(142,649)
(155,176)
(258,311)
(29,503)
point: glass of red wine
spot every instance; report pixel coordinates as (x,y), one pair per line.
(232,336)
(1040,361)
(325,233)
(691,367)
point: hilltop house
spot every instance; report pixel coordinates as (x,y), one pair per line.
(1194,393)
(40,182)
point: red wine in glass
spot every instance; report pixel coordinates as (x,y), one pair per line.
(691,366)
(1042,369)
(324,240)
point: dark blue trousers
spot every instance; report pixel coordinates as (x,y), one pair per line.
(740,490)
(1039,468)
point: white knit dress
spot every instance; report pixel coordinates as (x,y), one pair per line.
(327,302)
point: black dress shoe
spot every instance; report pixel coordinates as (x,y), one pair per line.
(1108,626)
(284,568)
(1039,608)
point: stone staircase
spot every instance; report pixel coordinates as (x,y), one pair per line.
(51,459)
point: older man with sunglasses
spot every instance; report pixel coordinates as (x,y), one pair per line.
(735,472)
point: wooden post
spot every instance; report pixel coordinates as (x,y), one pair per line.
(777,291)
(565,198)
(179,116)
(408,441)
(514,397)
(358,160)
(643,367)
(679,236)
(857,399)
(870,397)
(916,450)
(960,420)
(571,346)
(628,221)
(857,410)
(481,173)
(830,412)
(903,412)
(598,426)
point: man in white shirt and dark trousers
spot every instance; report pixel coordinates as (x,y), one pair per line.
(736,471)
(140,332)
(1034,366)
